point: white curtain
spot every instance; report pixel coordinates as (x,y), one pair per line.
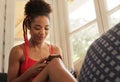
(59,29)
(2,20)
(9,31)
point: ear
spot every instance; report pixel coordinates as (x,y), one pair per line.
(28,26)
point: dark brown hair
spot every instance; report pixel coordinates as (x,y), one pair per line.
(34,8)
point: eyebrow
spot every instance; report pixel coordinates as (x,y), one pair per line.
(40,25)
(37,25)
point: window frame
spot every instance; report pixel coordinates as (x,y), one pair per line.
(102,18)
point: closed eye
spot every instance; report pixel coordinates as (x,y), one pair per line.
(47,27)
(37,27)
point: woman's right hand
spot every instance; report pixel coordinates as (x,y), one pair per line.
(38,67)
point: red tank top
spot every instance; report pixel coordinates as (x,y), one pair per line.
(28,61)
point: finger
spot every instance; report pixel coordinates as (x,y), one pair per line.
(40,69)
(47,62)
(43,65)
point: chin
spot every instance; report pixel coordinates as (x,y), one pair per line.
(40,41)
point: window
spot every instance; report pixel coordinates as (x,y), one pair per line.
(112,4)
(88,19)
(114,18)
(82,40)
(83,20)
(19,17)
(113,8)
(78,13)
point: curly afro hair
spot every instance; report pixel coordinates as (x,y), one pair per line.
(34,8)
(37,7)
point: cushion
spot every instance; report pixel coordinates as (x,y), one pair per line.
(102,61)
(3,77)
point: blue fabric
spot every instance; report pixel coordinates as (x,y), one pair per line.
(102,61)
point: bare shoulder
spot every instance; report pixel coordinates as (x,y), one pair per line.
(15,56)
(56,50)
(16,52)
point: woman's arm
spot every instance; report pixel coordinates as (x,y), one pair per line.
(15,57)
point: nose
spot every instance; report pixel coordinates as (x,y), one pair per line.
(42,31)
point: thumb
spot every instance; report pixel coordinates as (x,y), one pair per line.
(42,60)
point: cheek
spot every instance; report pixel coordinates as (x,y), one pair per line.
(36,33)
(33,33)
(46,33)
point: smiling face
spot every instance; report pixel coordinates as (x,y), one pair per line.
(39,29)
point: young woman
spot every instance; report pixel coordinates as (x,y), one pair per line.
(28,62)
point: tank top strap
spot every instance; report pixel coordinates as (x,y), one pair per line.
(25,51)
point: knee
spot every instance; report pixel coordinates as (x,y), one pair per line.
(56,62)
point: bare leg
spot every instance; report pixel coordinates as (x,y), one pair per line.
(42,76)
(56,72)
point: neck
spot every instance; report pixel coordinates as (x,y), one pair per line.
(35,45)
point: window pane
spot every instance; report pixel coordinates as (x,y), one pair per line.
(16,42)
(19,16)
(114,18)
(81,40)
(80,12)
(112,3)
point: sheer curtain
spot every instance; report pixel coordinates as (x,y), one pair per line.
(59,29)
(9,31)
(2,19)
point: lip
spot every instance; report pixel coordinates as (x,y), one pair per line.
(40,38)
